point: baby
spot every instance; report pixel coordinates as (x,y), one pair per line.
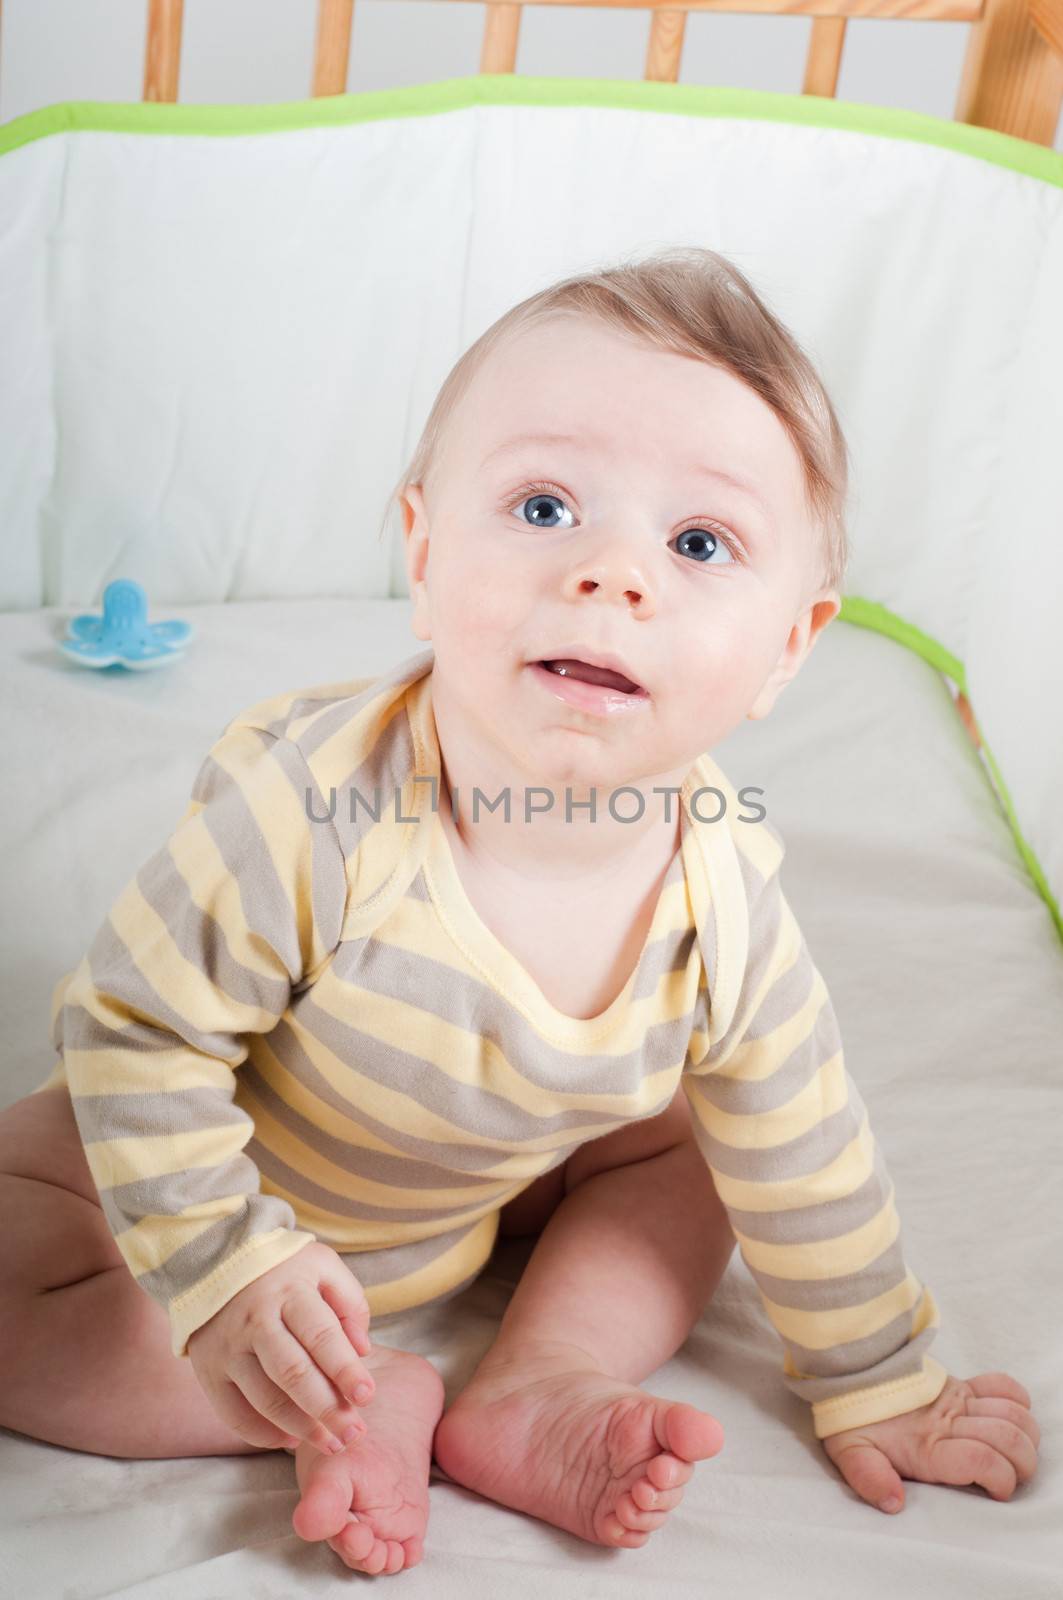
(489,945)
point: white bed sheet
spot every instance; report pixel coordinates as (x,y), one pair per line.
(947,976)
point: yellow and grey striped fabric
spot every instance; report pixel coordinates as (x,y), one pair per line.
(786,1134)
(293,1025)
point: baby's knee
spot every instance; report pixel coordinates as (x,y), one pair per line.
(53,1238)
(698,1187)
(632,1142)
(40,1139)
(56,1232)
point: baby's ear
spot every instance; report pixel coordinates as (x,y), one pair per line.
(412,506)
(415,551)
(823,608)
(765,699)
(802,637)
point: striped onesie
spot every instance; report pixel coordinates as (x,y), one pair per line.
(293,1025)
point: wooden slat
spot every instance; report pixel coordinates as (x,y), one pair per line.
(498,52)
(162,52)
(332,48)
(1012,77)
(666,46)
(912,10)
(824,59)
(1012,73)
(1047,18)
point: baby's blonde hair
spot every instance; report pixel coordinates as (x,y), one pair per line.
(697,303)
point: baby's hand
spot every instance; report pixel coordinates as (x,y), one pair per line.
(978,1430)
(277,1360)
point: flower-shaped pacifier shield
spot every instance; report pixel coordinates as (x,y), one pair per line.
(123,636)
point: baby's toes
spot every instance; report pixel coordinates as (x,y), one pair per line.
(669,1472)
(396,1556)
(363,1551)
(649,1498)
(375,1562)
(634,1517)
(386,1556)
(355,1543)
(626,1538)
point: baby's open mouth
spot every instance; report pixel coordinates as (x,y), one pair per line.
(588,674)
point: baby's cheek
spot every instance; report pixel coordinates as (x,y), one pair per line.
(710,696)
(737,652)
(486,619)
(705,657)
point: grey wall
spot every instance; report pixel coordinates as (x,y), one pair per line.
(93,50)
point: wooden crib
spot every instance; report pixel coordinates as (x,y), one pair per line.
(1012,77)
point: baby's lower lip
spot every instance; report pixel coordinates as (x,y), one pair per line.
(593,697)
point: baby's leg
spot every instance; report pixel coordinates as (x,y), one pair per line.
(84,1351)
(87,1363)
(551,1422)
(632,1255)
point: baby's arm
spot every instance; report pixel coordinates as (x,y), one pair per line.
(202,946)
(786,1135)
(787,1138)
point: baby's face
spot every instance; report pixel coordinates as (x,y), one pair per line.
(617,535)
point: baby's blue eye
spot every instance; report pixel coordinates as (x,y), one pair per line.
(539,502)
(703,544)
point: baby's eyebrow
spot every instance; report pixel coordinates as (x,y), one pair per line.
(583,441)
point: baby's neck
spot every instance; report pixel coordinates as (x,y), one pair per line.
(548,852)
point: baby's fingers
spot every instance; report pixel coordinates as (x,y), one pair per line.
(1000,1385)
(309,1369)
(966,1461)
(274,1402)
(236,1411)
(1021,1415)
(347,1299)
(1011,1441)
(310,1318)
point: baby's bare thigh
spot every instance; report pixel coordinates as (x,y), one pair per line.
(531,1209)
(58,1237)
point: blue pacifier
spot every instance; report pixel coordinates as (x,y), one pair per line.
(123,635)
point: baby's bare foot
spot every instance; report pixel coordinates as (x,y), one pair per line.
(546,1432)
(370,1502)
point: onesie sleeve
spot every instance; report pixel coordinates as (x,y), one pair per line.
(202,948)
(786,1135)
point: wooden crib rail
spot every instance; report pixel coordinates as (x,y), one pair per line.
(1012,77)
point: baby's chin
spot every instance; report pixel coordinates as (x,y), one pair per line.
(561,758)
